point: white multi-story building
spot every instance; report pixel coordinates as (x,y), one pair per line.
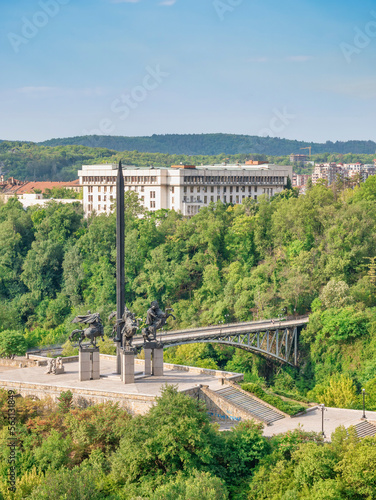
(183,188)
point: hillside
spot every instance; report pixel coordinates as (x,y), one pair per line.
(33,162)
(213,144)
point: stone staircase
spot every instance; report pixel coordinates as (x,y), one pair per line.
(365,429)
(253,406)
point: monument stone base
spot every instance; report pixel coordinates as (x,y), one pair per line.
(127,366)
(88,363)
(157,362)
(153,359)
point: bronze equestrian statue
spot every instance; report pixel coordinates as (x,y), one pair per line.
(129,326)
(155,319)
(94,330)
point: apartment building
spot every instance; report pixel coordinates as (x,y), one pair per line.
(328,172)
(299,180)
(184,188)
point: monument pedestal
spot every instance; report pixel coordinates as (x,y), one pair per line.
(157,362)
(153,359)
(127,366)
(118,358)
(148,353)
(88,362)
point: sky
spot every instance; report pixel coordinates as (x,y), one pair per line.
(300,70)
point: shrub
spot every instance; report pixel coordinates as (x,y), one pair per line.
(285,406)
(12,343)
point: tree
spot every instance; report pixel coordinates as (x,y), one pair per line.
(198,486)
(42,268)
(65,401)
(358,469)
(335,294)
(174,436)
(64,484)
(12,343)
(340,392)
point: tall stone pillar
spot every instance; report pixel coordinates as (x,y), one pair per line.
(127,366)
(157,364)
(88,363)
(147,369)
(118,358)
(95,365)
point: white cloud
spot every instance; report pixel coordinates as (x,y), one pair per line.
(364,89)
(168,3)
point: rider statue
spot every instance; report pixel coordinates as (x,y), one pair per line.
(94,330)
(155,319)
(129,326)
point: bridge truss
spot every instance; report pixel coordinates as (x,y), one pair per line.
(279,343)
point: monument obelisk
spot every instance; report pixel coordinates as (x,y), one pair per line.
(120,280)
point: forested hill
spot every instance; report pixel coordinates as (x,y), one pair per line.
(213,144)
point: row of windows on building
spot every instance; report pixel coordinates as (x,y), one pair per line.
(91,198)
(235,189)
(99,189)
(144,179)
(229,199)
(104,207)
(216,179)
(111,198)
(197,179)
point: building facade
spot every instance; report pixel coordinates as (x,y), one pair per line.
(184,188)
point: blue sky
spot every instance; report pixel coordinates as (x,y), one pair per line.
(296,69)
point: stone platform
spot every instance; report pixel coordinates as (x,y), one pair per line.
(137,398)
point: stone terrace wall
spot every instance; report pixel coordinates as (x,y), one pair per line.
(135,404)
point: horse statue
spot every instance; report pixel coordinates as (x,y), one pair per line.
(94,330)
(129,326)
(155,319)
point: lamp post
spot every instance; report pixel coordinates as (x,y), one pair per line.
(364,404)
(322,420)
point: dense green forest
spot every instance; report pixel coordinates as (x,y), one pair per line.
(309,254)
(172,453)
(28,161)
(213,144)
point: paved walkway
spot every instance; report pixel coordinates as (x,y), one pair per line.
(151,386)
(109,381)
(312,421)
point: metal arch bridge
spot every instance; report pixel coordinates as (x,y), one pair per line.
(275,338)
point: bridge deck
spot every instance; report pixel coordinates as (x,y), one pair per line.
(223,330)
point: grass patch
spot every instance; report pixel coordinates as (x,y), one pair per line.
(285,406)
